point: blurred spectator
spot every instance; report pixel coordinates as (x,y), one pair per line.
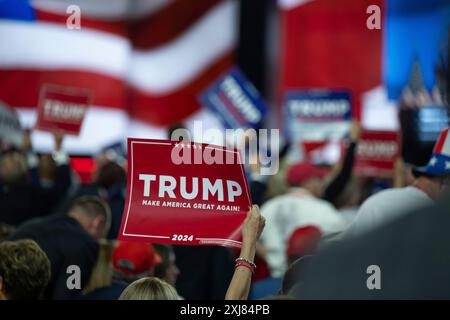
(101,285)
(134,260)
(5,231)
(403,175)
(47,170)
(300,207)
(70,240)
(431,181)
(109,184)
(23,195)
(411,252)
(303,241)
(24,270)
(167,269)
(149,288)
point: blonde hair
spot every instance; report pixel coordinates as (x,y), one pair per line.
(149,288)
(102,273)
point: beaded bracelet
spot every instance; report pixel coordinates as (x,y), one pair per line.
(246,260)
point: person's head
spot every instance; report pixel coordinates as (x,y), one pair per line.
(294,275)
(134,260)
(5,231)
(434,177)
(302,241)
(110,174)
(102,274)
(13,168)
(149,288)
(167,269)
(93,214)
(24,270)
(307,176)
(434,186)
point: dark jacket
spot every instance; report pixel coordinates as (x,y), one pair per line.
(28,200)
(205,271)
(66,243)
(111,292)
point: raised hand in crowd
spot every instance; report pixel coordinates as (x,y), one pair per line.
(252,227)
(355,131)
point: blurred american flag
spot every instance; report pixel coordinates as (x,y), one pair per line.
(144,60)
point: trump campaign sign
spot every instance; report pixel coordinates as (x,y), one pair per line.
(377,152)
(316,117)
(184,193)
(235,100)
(62,109)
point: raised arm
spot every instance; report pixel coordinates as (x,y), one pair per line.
(339,182)
(252,227)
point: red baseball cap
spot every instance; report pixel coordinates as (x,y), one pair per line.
(134,258)
(303,171)
(303,241)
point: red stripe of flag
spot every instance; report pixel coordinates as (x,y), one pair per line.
(440,143)
(20,87)
(172,108)
(149,32)
(170,22)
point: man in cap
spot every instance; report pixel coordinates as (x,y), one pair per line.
(302,242)
(301,206)
(430,182)
(134,260)
(69,240)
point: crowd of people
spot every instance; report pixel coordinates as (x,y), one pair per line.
(53,228)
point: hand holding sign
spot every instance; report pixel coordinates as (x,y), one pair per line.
(253,225)
(355,131)
(58,135)
(251,231)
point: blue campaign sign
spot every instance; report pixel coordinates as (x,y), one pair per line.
(235,100)
(316,116)
(319,105)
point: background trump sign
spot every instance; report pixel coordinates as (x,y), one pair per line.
(184,193)
(62,109)
(376,154)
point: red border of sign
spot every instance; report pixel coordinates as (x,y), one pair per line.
(219,241)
